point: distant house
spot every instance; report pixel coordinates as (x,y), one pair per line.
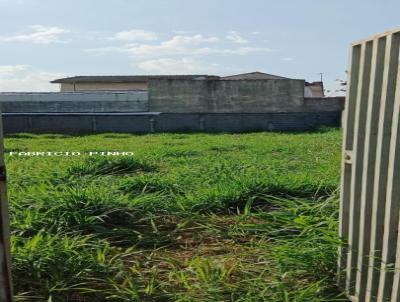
(114,83)
(140,82)
(254,76)
(314,90)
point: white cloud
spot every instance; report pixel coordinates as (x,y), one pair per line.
(243,50)
(38,34)
(236,38)
(190,40)
(179,32)
(177,66)
(134,35)
(18,78)
(179,46)
(176,45)
(287,59)
(7,70)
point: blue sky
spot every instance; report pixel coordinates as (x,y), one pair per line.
(45,39)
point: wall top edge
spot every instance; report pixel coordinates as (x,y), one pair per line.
(219,80)
(377,36)
(77,92)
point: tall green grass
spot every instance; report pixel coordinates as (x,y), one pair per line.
(190,217)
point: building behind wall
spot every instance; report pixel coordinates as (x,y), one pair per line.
(253,76)
(226,96)
(115,83)
(141,82)
(311,90)
(314,90)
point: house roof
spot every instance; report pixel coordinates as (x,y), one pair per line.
(257,75)
(126,79)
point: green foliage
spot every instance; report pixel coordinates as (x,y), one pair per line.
(189,217)
(106,166)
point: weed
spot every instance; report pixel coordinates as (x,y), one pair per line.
(104,166)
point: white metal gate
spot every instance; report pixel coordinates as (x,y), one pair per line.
(370,194)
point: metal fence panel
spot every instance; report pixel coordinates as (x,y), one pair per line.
(370,195)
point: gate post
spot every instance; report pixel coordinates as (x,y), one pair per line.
(6,294)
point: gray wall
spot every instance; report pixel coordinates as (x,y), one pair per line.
(217,96)
(137,101)
(327,104)
(79,113)
(83,123)
(133,101)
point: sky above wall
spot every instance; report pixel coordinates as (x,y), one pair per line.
(41,40)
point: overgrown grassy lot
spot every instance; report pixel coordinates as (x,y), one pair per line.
(189,217)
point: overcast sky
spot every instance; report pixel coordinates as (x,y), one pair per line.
(41,40)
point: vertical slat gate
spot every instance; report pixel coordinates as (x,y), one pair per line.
(5,265)
(369,263)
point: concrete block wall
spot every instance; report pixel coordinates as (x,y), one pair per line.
(75,123)
(218,96)
(86,123)
(327,104)
(231,106)
(133,101)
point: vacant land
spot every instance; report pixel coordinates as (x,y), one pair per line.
(188,217)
